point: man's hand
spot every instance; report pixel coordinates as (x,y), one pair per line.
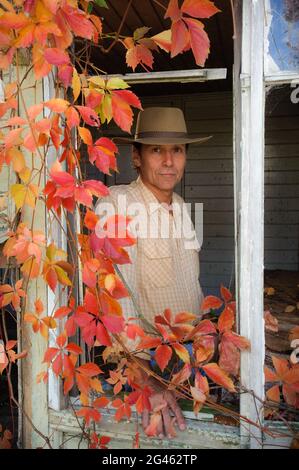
(164,402)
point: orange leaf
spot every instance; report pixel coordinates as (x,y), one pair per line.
(218,376)
(273,393)
(211,302)
(226,319)
(184,317)
(271,323)
(270,376)
(101,402)
(62,312)
(85,135)
(225,294)
(199,9)
(89,369)
(57,105)
(163,355)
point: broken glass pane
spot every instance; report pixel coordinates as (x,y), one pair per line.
(282,36)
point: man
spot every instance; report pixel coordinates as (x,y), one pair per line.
(164,272)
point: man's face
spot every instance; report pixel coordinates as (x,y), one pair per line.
(161,166)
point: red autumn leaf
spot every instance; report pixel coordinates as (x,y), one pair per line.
(101,402)
(94,99)
(139,54)
(79,24)
(225,294)
(180,38)
(134,330)
(226,319)
(113,323)
(149,342)
(73,348)
(62,312)
(211,302)
(205,327)
(199,9)
(239,341)
(89,414)
(215,373)
(229,359)
(173,11)
(163,355)
(200,43)
(182,376)
(89,369)
(102,335)
(89,116)
(72,117)
(56,56)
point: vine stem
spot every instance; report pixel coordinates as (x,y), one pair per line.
(106,51)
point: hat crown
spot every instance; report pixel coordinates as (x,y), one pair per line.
(160,120)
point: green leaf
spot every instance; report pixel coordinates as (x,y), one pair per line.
(140,32)
(101,3)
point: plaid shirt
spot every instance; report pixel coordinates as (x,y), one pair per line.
(163,273)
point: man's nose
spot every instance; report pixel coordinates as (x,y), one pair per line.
(168,158)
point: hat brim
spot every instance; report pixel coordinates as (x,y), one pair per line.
(162,141)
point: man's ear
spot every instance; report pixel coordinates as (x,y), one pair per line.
(136,157)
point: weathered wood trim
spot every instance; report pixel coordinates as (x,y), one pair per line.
(199,434)
(34,396)
(249,192)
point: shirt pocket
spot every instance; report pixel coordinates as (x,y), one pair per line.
(157,263)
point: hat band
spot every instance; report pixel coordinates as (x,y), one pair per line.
(161,134)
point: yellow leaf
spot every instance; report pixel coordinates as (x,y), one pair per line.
(62,276)
(106,109)
(25,174)
(116,84)
(98,81)
(290,309)
(76,84)
(96,385)
(17,158)
(42,13)
(84,399)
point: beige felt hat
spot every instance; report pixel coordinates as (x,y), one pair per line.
(162,126)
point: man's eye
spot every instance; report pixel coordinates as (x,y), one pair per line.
(156,149)
(178,149)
